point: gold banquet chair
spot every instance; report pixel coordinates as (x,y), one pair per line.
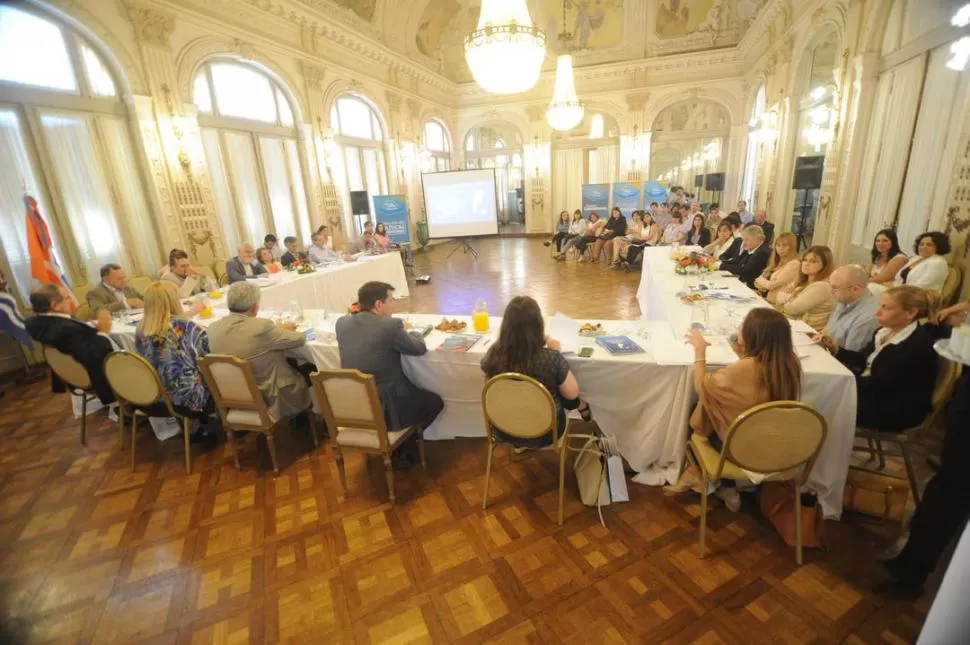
(522,407)
(352,409)
(139,390)
(947,374)
(241,404)
(772,439)
(77,380)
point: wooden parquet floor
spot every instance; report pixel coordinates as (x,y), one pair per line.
(91,552)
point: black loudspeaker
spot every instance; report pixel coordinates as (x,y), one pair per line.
(359,203)
(698,181)
(808,173)
(714,181)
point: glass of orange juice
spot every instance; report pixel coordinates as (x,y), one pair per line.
(480,317)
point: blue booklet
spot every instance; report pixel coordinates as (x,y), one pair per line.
(619,345)
(459,342)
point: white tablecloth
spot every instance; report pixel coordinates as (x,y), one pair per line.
(332,288)
(827,384)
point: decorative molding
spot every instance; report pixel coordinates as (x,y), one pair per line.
(535,112)
(393,101)
(636,102)
(313,75)
(414,109)
(243,49)
(151,25)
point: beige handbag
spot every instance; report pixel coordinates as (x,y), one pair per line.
(594,489)
(876,494)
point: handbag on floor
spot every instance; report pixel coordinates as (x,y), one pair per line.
(876,494)
(594,488)
(776,500)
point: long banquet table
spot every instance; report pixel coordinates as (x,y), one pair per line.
(826,383)
(643,400)
(333,287)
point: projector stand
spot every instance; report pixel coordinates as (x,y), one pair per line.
(465,248)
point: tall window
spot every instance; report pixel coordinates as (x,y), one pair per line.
(64,140)
(250,145)
(360,140)
(749,182)
(499,146)
(438,145)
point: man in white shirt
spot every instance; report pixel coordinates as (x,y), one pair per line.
(743,212)
(319,251)
(270,242)
(853,324)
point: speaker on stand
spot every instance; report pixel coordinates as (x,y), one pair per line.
(698,186)
(714,182)
(806,178)
(360,207)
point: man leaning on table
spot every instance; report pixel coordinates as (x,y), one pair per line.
(319,251)
(262,342)
(185,277)
(373,342)
(853,324)
(753,259)
(244,265)
(114,293)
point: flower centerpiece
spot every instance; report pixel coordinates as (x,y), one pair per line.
(702,262)
(301,267)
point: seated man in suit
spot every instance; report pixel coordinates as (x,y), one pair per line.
(293,252)
(753,258)
(262,342)
(114,293)
(761,219)
(244,265)
(53,326)
(180,270)
(373,342)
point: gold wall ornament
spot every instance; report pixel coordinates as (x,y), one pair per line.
(824,203)
(313,75)
(151,25)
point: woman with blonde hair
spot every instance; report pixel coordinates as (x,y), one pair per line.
(768,370)
(173,345)
(782,269)
(809,298)
(895,385)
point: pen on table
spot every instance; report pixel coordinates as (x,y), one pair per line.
(487,342)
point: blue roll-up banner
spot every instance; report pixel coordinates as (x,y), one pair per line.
(596,199)
(653,192)
(392,211)
(626,197)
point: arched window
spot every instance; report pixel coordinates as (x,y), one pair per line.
(250,144)
(360,139)
(749,183)
(437,143)
(65,140)
(499,146)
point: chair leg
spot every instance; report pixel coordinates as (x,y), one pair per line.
(186,425)
(271,444)
(562,480)
(121,426)
(910,472)
(339,455)
(798,525)
(134,428)
(389,474)
(312,422)
(84,419)
(872,449)
(232,446)
(704,488)
(879,453)
(424,461)
(490,445)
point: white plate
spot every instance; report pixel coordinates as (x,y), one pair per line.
(942,348)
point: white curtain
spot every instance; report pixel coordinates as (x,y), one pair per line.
(567,180)
(941,113)
(604,165)
(16,170)
(244,180)
(84,192)
(135,218)
(277,187)
(887,149)
(220,189)
(296,178)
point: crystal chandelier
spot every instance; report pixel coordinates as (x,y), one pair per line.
(565,111)
(505,52)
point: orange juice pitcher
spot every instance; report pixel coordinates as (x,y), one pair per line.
(480,317)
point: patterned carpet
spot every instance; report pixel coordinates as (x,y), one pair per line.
(91,552)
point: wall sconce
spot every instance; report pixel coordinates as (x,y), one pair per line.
(182,155)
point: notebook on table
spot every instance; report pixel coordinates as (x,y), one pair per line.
(619,345)
(459,342)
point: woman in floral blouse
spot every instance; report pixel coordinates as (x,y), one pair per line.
(173,346)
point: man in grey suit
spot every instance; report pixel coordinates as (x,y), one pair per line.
(373,342)
(244,265)
(114,293)
(262,342)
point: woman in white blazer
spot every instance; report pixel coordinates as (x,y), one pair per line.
(928,268)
